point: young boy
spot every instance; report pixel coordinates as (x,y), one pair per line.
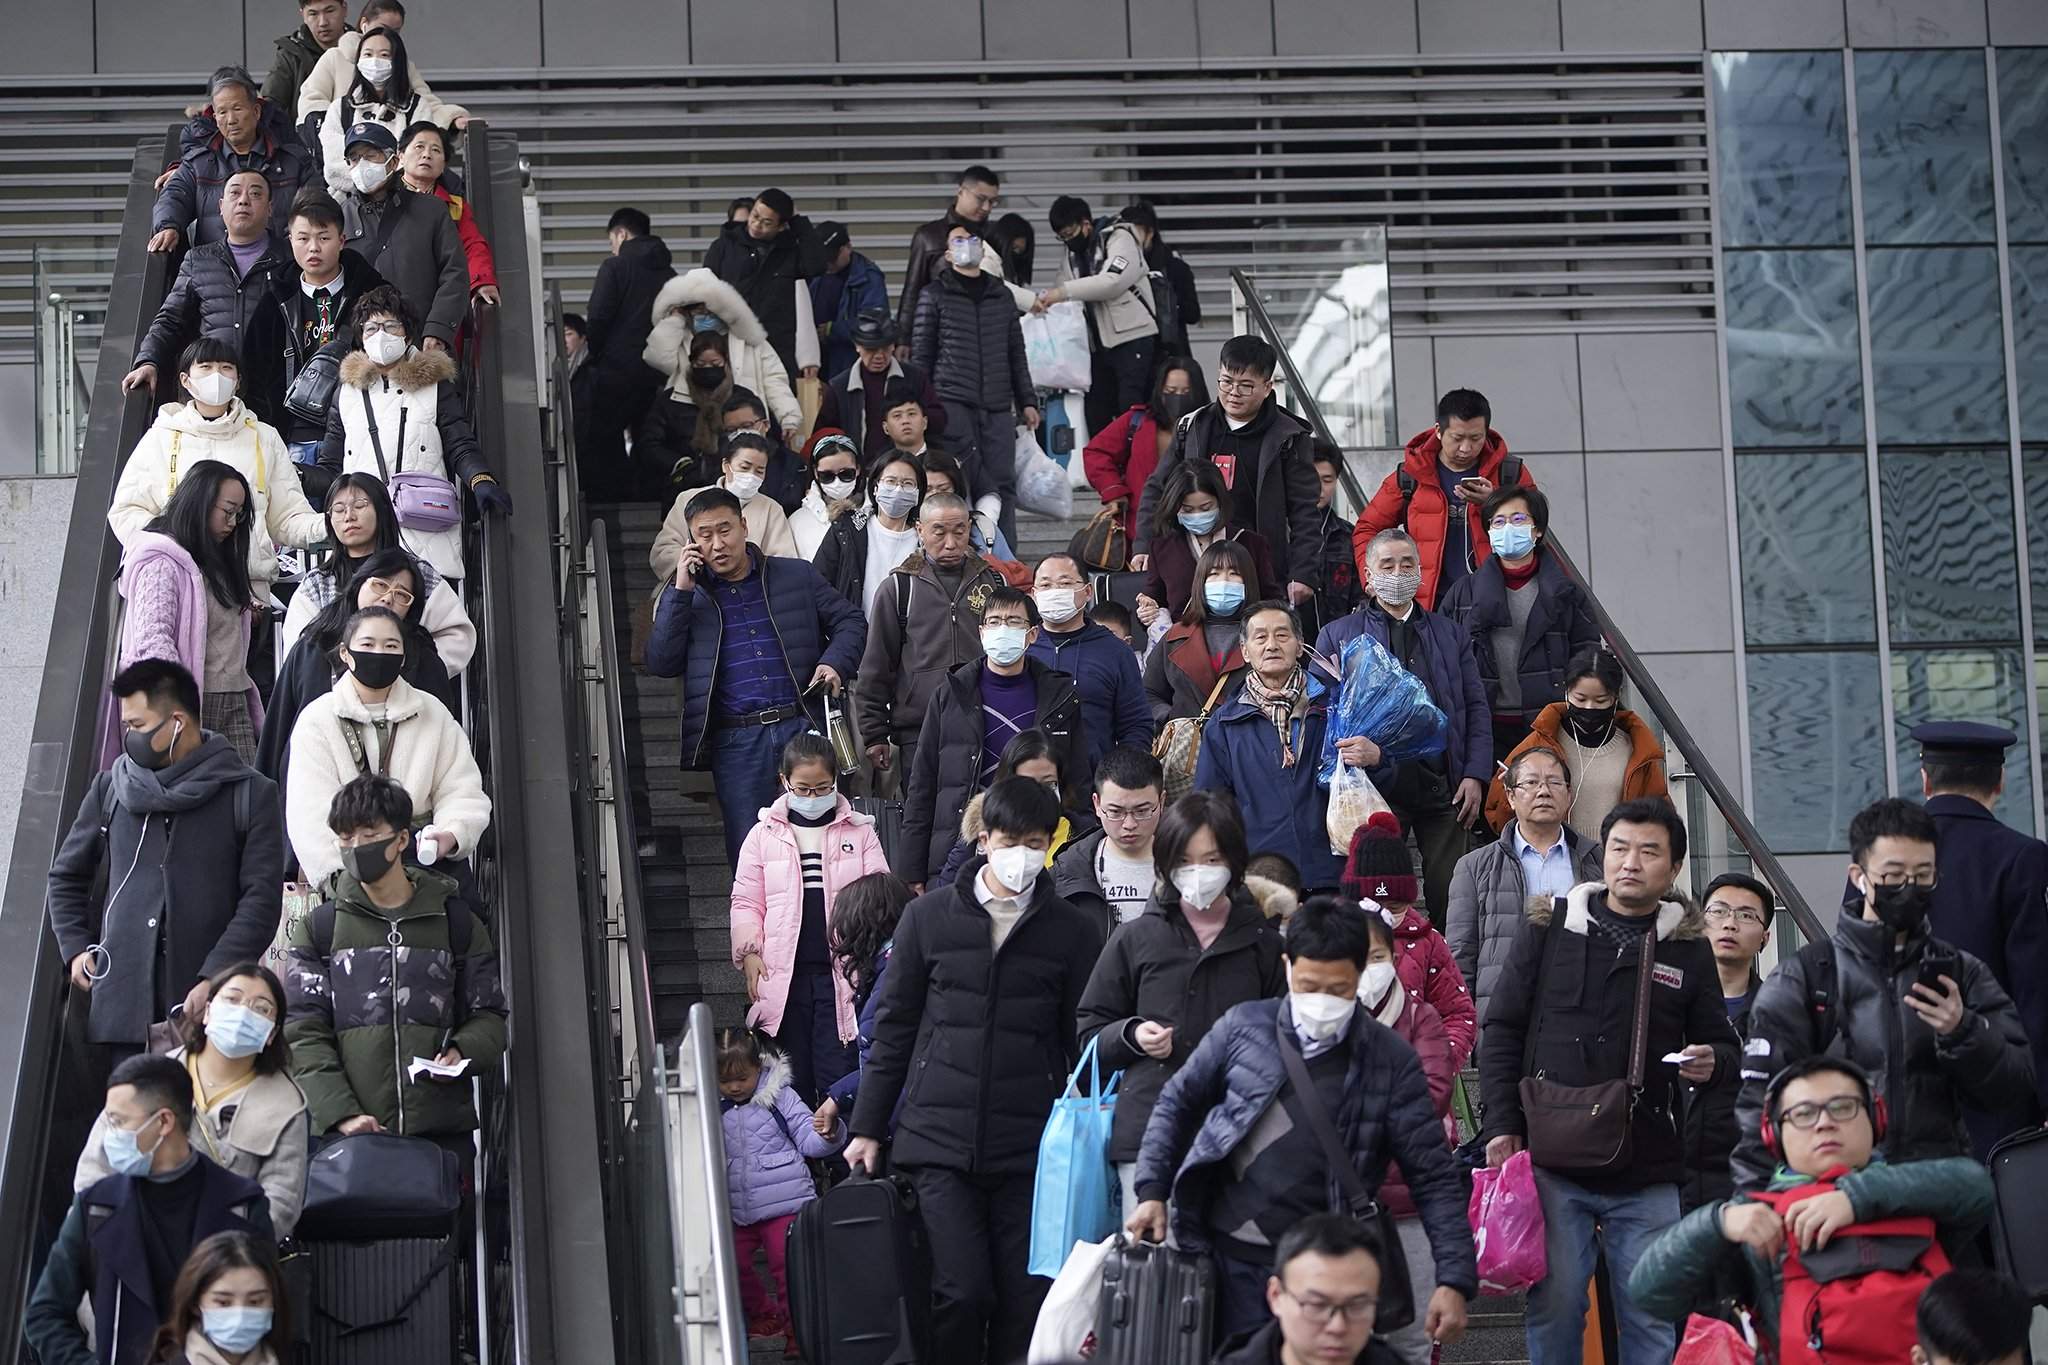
(1972,1317)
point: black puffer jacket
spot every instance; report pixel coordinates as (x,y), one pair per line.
(842,557)
(968,339)
(1710,1131)
(1155,969)
(210,298)
(766,273)
(1560,625)
(927,261)
(946,765)
(1570,984)
(976,1041)
(621,309)
(1925,1081)
(272,355)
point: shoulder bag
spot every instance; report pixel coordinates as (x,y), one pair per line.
(423,502)
(1587,1128)
(1180,744)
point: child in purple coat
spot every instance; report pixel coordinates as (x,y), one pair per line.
(768,1136)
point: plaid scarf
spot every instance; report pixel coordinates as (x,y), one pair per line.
(1280,705)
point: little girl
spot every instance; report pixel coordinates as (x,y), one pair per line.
(1379,870)
(768,1136)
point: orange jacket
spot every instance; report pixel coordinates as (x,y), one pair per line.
(1645,776)
(1428,518)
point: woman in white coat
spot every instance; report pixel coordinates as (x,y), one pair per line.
(698,300)
(397,415)
(380,92)
(215,426)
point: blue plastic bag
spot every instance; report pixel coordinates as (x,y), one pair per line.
(1384,702)
(1077,1197)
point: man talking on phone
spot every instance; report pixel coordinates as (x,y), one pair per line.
(1446,472)
(1927,1021)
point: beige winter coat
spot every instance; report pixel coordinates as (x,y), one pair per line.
(336,71)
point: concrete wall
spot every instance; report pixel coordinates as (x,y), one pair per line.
(35,514)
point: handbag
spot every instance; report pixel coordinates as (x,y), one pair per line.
(1076,1197)
(1101,546)
(423,502)
(1397,1293)
(379,1185)
(1180,744)
(1588,1128)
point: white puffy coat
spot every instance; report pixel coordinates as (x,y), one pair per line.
(406,397)
(751,359)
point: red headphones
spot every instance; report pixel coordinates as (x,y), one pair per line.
(1873,1103)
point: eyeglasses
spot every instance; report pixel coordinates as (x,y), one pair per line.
(261,1004)
(1020,622)
(1741,914)
(1841,1109)
(1318,1312)
(1228,385)
(1926,878)
(237,516)
(390,592)
(393,328)
(1543,784)
(353,505)
(813,789)
(1516,519)
(1128,815)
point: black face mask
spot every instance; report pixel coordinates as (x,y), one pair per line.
(369,862)
(1902,908)
(1590,725)
(707,376)
(139,746)
(376,671)
(1171,407)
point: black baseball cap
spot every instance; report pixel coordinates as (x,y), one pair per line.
(370,135)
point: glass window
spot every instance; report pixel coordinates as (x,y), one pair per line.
(1924,132)
(1950,568)
(2034,465)
(1794,369)
(1781,146)
(1988,685)
(2030,337)
(1815,745)
(1937,355)
(1804,535)
(2023,128)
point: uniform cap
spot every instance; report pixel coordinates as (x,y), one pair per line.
(1962,739)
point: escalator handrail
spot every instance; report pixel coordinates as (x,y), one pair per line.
(1650,694)
(63,748)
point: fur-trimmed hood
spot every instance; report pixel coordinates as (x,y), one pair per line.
(1276,900)
(414,371)
(773,1081)
(705,290)
(1677,918)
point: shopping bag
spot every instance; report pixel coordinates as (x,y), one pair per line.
(1042,485)
(810,395)
(1384,702)
(1077,1197)
(1056,347)
(1066,1320)
(1353,801)
(1710,1341)
(1507,1226)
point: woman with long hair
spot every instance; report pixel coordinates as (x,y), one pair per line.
(1206,642)
(381,92)
(863,933)
(227,1307)
(861,548)
(1121,457)
(1193,514)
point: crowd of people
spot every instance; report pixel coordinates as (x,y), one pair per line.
(981,816)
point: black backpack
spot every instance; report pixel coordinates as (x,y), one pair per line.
(1510,475)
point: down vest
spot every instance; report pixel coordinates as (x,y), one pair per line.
(211,298)
(969,340)
(1489,897)
(767,1139)
(976,1040)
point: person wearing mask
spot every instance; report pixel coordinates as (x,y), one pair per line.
(1265,743)
(973,714)
(832,491)
(1263,454)
(991,967)
(1015,245)
(216,426)
(744,413)
(147,944)
(1109,871)
(1108,273)
(1737,909)
(237,131)
(424,150)
(1198,664)
(1446,473)
(1925,1019)
(336,71)
(393,966)
(229,1306)
(379,96)
(863,547)
(127,1236)
(808,846)
(374,721)
(743,470)
(1195,512)
(248,1114)
(754,637)
(1114,706)
(769,258)
(1229,1144)
(408,238)
(696,304)
(1537,855)
(220,285)
(398,413)
(621,313)
(1528,620)
(679,441)
(926,621)
(1438,797)
(860,399)
(321,24)
(975,196)
(1611,752)
(1120,457)
(1323,1297)
(1201,944)
(966,336)
(1379,873)
(849,287)
(1031,754)
(1563,1013)
(863,939)
(1341,589)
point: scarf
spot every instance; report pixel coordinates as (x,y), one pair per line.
(710,403)
(1280,705)
(185,785)
(1390,1008)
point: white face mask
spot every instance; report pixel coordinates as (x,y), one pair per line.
(375,70)
(369,176)
(1200,884)
(1377,981)
(1016,867)
(1057,605)
(834,489)
(215,388)
(743,486)
(386,348)
(1318,1016)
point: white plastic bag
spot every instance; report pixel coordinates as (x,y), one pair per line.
(1042,485)
(1066,1320)
(1353,801)
(1056,347)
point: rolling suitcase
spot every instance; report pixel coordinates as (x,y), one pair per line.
(2019,1227)
(390,1302)
(1158,1306)
(888,818)
(860,1276)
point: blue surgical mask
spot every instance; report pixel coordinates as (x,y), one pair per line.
(812,807)
(123,1153)
(1198,523)
(1222,596)
(706,322)
(1511,542)
(236,1030)
(235,1330)
(1003,644)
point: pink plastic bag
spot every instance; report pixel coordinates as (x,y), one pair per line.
(1710,1341)
(1507,1226)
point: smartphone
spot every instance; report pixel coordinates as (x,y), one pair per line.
(1934,966)
(1474,488)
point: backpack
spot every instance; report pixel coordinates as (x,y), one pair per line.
(1510,476)
(1852,1301)
(1817,964)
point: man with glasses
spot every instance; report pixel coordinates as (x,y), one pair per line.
(1737,908)
(1927,1020)
(1109,872)
(1324,1294)
(975,198)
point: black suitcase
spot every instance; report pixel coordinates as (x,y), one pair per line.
(860,1276)
(1118,587)
(2019,1227)
(390,1302)
(1158,1306)
(888,818)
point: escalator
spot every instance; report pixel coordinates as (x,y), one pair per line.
(544,1292)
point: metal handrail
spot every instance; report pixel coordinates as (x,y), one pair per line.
(1652,696)
(696,1078)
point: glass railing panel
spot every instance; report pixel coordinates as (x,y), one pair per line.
(1326,293)
(71,289)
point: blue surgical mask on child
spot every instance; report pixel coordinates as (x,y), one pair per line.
(1222,596)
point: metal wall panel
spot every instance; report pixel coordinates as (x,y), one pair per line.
(1631,25)
(1742,25)
(63,42)
(443,35)
(1660,545)
(1414,385)
(1162,28)
(1051,30)
(733,32)
(1916,23)
(1702,687)
(1651,391)
(1489,26)
(618,33)
(1332,28)
(2018,22)
(159,36)
(1562,477)
(893,30)
(1532,382)
(1234,28)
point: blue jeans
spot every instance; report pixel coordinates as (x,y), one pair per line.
(746,767)
(1628,1223)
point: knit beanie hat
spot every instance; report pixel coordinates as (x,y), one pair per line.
(1379,867)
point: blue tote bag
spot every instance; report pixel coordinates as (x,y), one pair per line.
(1077,1197)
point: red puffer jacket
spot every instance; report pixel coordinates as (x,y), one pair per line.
(1428,512)
(1422,1028)
(1424,963)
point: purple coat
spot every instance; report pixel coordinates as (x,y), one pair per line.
(766,1141)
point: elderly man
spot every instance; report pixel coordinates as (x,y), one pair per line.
(237,131)
(407,238)
(855,398)
(220,284)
